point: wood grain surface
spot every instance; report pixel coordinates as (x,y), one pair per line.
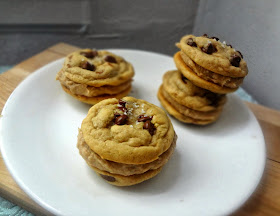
(265,201)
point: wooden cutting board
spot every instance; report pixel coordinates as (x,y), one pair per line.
(265,201)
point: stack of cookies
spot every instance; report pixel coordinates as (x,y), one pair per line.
(207,70)
(187,102)
(91,76)
(126,141)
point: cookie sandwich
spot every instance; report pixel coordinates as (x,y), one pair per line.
(187,102)
(126,141)
(210,63)
(91,76)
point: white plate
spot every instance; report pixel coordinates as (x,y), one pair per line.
(213,171)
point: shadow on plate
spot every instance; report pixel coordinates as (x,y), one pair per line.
(76,104)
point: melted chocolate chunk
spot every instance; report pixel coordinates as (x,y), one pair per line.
(88,66)
(143,118)
(148,125)
(205,35)
(117,115)
(108,178)
(122,102)
(89,54)
(110,59)
(229,45)
(235,60)
(190,42)
(240,53)
(209,49)
(120,119)
(217,39)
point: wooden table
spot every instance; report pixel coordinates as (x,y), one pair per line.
(265,201)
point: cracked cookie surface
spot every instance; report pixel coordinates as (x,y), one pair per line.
(131,132)
(104,68)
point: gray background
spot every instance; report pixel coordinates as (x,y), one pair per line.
(251,26)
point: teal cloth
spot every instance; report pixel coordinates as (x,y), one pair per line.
(8,208)
(4,68)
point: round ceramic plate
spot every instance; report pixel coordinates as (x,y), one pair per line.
(213,171)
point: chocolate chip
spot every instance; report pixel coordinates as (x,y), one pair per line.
(148,125)
(108,178)
(209,49)
(121,119)
(117,115)
(143,118)
(229,45)
(88,66)
(213,98)
(217,39)
(122,102)
(110,59)
(190,42)
(235,60)
(89,54)
(240,53)
(205,35)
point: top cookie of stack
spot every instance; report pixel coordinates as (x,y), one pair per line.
(210,64)
(91,76)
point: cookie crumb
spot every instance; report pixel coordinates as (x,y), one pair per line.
(129,110)
(135,105)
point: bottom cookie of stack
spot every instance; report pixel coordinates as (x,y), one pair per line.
(123,174)
(187,102)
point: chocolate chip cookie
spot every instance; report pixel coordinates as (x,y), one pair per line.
(91,76)
(211,64)
(126,141)
(187,102)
